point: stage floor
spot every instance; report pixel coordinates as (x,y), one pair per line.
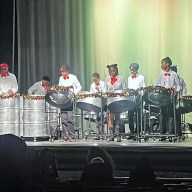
(150,143)
(168,159)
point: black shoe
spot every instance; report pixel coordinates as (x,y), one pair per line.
(130,137)
(162,139)
(97,138)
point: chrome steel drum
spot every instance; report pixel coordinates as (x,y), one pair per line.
(185,104)
(157,95)
(90,102)
(120,101)
(10,115)
(34,117)
(59,99)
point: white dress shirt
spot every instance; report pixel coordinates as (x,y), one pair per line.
(71,81)
(183,91)
(37,89)
(101,87)
(119,84)
(136,82)
(169,79)
(7,83)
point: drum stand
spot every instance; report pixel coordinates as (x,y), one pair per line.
(57,131)
(172,137)
(101,126)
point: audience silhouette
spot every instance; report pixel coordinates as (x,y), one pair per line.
(13,165)
(100,169)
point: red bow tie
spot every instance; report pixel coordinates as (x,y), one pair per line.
(167,74)
(113,79)
(134,76)
(67,77)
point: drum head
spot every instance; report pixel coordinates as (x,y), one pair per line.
(158,99)
(59,99)
(121,106)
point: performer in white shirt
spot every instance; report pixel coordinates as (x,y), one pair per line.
(135,81)
(114,82)
(98,86)
(169,79)
(40,87)
(183,90)
(8,81)
(67,117)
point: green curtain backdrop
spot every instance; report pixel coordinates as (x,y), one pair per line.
(89,34)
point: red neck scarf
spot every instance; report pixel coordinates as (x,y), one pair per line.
(5,75)
(113,79)
(66,77)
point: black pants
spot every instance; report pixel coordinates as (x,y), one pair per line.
(167,120)
(134,117)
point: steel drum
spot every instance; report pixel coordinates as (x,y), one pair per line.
(185,104)
(10,115)
(34,117)
(91,102)
(157,95)
(59,98)
(120,101)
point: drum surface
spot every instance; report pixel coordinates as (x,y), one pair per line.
(120,101)
(60,99)
(87,101)
(185,104)
(158,96)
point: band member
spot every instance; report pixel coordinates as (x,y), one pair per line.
(8,81)
(168,79)
(114,82)
(67,117)
(135,81)
(40,87)
(183,91)
(98,86)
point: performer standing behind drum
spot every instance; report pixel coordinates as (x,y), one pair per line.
(168,79)
(98,86)
(67,80)
(40,87)
(8,81)
(183,91)
(114,82)
(135,81)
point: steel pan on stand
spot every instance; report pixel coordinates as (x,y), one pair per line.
(185,104)
(10,114)
(120,101)
(158,96)
(91,102)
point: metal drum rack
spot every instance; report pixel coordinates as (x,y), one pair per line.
(156,97)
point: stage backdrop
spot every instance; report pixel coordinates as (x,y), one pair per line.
(89,34)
